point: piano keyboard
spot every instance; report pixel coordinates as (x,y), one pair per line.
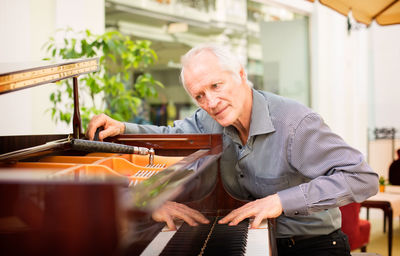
(211,239)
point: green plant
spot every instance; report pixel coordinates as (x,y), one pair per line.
(119,58)
(382,180)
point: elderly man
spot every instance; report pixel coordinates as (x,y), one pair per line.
(277,153)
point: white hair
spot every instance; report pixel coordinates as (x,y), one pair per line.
(227,60)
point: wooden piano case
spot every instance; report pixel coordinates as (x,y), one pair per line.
(59,201)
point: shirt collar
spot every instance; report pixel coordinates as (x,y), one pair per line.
(260,118)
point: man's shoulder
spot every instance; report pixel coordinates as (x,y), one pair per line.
(285,112)
(282,105)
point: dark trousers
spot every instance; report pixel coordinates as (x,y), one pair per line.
(336,243)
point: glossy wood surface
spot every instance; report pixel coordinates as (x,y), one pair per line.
(70,218)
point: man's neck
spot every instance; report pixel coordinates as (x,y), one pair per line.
(243,132)
(242,125)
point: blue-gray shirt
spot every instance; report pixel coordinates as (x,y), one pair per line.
(289,151)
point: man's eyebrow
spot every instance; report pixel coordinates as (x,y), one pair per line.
(209,83)
(215,82)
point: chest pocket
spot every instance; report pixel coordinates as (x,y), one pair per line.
(268,186)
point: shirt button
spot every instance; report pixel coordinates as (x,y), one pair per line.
(296,213)
(241,175)
(240,147)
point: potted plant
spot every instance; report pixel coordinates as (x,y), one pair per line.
(122,82)
(382,183)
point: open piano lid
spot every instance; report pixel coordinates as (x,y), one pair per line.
(15,77)
(18,76)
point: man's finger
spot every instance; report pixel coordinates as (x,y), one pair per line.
(237,215)
(257,221)
(185,217)
(94,123)
(198,216)
(202,219)
(230,216)
(241,216)
(108,132)
(225,219)
(194,214)
(170,223)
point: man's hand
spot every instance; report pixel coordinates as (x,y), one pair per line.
(171,210)
(267,207)
(111,127)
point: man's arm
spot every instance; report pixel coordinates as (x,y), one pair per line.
(199,122)
(339,173)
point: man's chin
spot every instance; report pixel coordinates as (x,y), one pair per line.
(223,122)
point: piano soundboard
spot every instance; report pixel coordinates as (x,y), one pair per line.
(133,168)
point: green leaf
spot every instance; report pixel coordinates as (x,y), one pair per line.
(119,58)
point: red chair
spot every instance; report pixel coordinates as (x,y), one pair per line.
(356,229)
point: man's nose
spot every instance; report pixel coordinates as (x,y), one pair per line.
(212,101)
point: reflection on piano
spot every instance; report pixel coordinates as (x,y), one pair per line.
(57,200)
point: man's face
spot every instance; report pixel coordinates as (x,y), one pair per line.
(219,92)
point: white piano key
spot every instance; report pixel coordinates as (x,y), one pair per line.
(157,245)
(257,241)
(160,241)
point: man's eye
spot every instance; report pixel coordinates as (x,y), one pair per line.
(198,97)
(215,85)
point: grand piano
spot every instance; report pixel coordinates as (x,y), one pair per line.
(59,199)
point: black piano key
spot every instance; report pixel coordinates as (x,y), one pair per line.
(223,240)
(188,240)
(228,240)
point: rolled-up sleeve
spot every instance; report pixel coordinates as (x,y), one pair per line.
(339,173)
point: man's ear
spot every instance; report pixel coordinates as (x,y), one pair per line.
(243,74)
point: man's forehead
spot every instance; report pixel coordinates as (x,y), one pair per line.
(199,80)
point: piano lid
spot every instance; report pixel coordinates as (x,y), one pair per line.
(17,76)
